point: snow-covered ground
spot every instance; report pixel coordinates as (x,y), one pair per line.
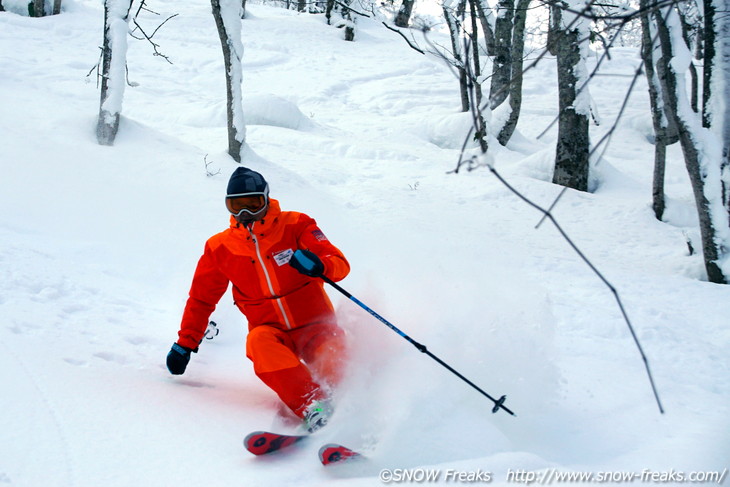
(98,246)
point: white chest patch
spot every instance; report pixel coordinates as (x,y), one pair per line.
(283,257)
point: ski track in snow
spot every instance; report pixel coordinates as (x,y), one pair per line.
(99,245)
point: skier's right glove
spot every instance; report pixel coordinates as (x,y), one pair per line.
(307,263)
(177,359)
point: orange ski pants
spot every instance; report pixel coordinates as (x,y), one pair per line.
(298,364)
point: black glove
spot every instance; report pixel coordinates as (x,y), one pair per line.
(307,263)
(177,359)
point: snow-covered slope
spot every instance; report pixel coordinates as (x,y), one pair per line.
(98,245)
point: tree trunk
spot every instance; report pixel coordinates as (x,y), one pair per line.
(452,20)
(487,21)
(660,164)
(572,161)
(476,71)
(330,6)
(502,62)
(350,31)
(694,83)
(348,20)
(114,69)
(227,17)
(515,87)
(554,31)
(661,129)
(724,45)
(709,61)
(716,86)
(703,165)
(39,8)
(56,7)
(403,17)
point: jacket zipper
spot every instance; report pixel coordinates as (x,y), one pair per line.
(268,278)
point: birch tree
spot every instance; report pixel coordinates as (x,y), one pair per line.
(702,149)
(664,133)
(716,85)
(516,66)
(227,15)
(453,12)
(114,69)
(572,161)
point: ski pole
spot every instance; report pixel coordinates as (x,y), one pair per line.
(498,403)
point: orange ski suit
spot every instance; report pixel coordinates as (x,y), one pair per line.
(293,341)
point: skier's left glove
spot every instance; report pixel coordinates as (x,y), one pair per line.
(307,263)
(177,359)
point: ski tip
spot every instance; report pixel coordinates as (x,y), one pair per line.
(263,442)
(334,453)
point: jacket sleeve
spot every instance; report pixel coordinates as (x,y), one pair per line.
(209,285)
(313,239)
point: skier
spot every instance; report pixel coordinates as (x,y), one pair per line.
(294,342)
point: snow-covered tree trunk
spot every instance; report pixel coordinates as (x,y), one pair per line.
(716,85)
(453,11)
(502,61)
(476,66)
(702,149)
(694,81)
(572,161)
(56,7)
(114,69)
(486,18)
(227,15)
(710,26)
(515,87)
(725,96)
(403,17)
(348,22)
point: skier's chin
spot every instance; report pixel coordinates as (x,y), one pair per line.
(247,221)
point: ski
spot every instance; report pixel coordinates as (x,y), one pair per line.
(263,442)
(334,453)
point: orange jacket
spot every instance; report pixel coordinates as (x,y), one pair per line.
(265,288)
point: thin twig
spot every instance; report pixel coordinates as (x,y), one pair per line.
(404,37)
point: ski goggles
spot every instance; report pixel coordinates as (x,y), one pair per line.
(250,203)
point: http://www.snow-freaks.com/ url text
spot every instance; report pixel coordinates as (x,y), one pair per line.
(549,476)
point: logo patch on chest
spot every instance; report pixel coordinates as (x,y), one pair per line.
(283,257)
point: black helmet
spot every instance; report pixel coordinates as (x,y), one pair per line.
(247,196)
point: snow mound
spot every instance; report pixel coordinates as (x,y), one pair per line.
(268,109)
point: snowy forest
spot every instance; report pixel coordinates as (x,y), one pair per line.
(537,189)
(683,49)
